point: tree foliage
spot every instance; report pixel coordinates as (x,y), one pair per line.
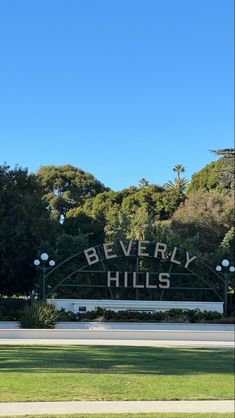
(178,169)
(24,224)
(218,175)
(66,187)
(200,221)
(180,183)
(203,220)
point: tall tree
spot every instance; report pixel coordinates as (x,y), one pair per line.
(228,153)
(180,183)
(204,219)
(143,183)
(178,168)
(66,187)
(24,224)
(218,175)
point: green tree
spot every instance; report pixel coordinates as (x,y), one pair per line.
(227,153)
(227,245)
(180,183)
(66,187)
(203,219)
(141,226)
(143,183)
(178,168)
(78,222)
(218,175)
(24,224)
(117,224)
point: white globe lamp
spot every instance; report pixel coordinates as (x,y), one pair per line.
(44,256)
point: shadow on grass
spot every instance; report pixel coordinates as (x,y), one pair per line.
(115,359)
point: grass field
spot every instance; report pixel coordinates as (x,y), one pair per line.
(40,373)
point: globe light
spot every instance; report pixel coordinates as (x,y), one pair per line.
(52,263)
(44,256)
(218,268)
(225,263)
(232,269)
(36,262)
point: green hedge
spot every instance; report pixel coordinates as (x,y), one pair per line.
(173,315)
(11,309)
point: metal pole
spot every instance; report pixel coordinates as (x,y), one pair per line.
(44,284)
(137,278)
(225,293)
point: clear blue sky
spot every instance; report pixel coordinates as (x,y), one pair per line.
(123,89)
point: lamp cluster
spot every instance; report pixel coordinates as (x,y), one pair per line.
(44,257)
(225,263)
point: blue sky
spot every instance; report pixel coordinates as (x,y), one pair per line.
(123,89)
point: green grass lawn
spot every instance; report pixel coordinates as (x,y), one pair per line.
(40,373)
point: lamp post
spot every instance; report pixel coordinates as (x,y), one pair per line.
(225,271)
(51,263)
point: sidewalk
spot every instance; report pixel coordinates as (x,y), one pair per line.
(133,343)
(98,407)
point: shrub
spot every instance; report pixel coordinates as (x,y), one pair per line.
(67,316)
(210,316)
(39,315)
(172,315)
(11,309)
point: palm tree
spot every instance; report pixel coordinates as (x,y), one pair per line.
(179,168)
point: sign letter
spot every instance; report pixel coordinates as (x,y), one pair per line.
(188,259)
(114,279)
(108,250)
(160,248)
(142,247)
(173,260)
(164,278)
(91,256)
(126,279)
(149,286)
(127,250)
(135,285)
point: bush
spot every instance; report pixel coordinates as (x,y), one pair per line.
(173,315)
(16,309)
(39,315)
(11,309)
(67,316)
(209,316)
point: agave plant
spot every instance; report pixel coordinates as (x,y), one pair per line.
(39,315)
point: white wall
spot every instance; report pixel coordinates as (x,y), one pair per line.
(75,305)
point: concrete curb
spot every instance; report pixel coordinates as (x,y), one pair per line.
(82,407)
(130,343)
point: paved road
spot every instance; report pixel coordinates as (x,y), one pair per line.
(37,408)
(161,335)
(154,326)
(159,339)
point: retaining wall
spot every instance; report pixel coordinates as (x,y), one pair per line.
(83,305)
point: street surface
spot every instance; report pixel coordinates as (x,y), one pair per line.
(139,334)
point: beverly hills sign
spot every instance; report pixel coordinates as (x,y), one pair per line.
(143,249)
